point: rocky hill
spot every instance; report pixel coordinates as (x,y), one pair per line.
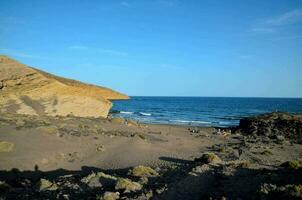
(277,125)
(26,90)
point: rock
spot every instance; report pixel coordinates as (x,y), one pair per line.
(23,92)
(208,158)
(272,191)
(66,197)
(132,122)
(99,179)
(92,180)
(100,148)
(142,171)
(200,169)
(244,164)
(127,185)
(20,123)
(280,138)
(51,130)
(293,164)
(266,153)
(274,125)
(193,130)
(162,189)
(45,184)
(141,136)
(71,157)
(118,120)
(4,186)
(143,180)
(6,146)
(110,196)
(149,194)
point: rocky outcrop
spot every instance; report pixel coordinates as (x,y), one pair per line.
(274,125)
(27,90)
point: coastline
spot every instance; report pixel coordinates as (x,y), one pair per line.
(200,111)
(52,154)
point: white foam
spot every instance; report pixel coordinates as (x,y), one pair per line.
(126,112)
(185,121)
(145,114)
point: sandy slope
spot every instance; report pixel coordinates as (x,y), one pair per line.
(71,142)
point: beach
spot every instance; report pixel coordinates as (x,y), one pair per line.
(55,148)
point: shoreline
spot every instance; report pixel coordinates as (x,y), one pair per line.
(202,125)
(44,156)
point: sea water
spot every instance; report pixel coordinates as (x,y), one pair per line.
(200,111)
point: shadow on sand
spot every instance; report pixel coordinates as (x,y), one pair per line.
(188,181)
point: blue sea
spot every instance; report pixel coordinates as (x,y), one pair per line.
(200,111)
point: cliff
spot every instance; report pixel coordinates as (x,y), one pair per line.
(27,90)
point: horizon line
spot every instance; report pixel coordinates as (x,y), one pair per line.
(274,97)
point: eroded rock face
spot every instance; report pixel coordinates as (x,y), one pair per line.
(276,124)
(26,90)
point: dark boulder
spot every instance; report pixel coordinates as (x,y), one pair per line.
(273,125)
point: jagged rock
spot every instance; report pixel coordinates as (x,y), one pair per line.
(110,196)
(142,171)
(272,191)
(27,90)
(92,180)
(45,184)
(208,158)
(127,185)
(99,179)
(276,125)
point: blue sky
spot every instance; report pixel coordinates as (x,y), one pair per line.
(162,47)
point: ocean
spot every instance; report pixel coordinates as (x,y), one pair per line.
(200,111)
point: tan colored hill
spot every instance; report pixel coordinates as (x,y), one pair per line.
(27,90)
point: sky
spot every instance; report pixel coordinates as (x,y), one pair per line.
(250,48)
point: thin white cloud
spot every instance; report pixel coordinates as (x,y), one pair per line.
(78,47)
(169,66)
(111,52)
(274,23)
(290,17)
(16,53)
(125,4)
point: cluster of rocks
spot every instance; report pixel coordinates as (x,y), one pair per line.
(207,177)
(277,125)
(138,183)
(71,125)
